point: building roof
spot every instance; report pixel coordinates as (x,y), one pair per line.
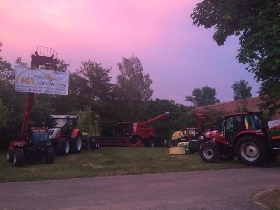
(252,104)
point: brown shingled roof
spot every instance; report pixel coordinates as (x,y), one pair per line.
(231,106)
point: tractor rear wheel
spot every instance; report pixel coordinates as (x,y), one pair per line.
(10,156)
(209,152)
(252,150)
(49,155)
(63,146)
(18,157)
(76,145)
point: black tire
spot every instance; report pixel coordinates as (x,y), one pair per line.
(49,155)
(252,150)
(96,144)
(192,145)
(151,142)
(18,157)
(77,143)
(63,147)
(10,156)
(209,152)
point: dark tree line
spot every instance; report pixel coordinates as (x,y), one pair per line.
(90,88)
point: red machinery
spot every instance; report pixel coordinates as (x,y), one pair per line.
(64,134)
(133,134)
(243,135)
(34,142)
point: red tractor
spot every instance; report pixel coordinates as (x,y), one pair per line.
(243,135)
(206,128)
(64,134)
(34,143)
(140,132)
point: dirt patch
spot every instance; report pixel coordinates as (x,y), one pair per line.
(268,199)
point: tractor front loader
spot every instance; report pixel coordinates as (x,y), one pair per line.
(34,143)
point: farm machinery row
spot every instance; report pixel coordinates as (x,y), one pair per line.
(243,135)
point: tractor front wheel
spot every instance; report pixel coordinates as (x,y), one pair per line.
(209,152)
(192,145)
(18,157)
(63,147)
(252,150)
(10,156)
(49,155)
(77,143)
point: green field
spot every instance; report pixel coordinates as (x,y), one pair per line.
(111,161)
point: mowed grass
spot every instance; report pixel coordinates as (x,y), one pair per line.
(111,161)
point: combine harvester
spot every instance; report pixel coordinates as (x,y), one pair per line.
(129,134)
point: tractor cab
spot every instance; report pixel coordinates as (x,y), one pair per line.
(242,123)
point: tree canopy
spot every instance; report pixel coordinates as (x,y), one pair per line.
(257,24)
(241,90)
(132,88)
(203,96)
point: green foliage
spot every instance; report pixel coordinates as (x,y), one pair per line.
(270,96)
(96,80)
(132,89)
(257,23)
(19,62)
(241,90)
(4,115)
(181,117)
(202,97)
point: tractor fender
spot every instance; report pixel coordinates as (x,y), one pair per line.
(248,133)
(16,144)
(75,132)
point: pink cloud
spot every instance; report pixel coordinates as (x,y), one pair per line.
(178,56)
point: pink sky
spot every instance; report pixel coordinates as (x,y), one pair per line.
(178,56)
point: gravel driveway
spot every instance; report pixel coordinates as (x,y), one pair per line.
(199,190)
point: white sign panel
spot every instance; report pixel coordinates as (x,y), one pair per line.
(41,81)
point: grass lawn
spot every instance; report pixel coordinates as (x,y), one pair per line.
(110,161)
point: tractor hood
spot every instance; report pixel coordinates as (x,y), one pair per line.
(53,132)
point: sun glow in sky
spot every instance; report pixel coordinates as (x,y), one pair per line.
(177,55)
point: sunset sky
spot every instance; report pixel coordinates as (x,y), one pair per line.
(177,55)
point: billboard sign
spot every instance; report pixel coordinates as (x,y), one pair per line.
(41,81)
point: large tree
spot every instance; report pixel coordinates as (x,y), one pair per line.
(132,88)
(241,90)
(257,23)
(202,97)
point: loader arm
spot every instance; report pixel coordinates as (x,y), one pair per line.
(27,114)
(166,114)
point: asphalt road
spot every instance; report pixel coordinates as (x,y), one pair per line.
(199,190)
